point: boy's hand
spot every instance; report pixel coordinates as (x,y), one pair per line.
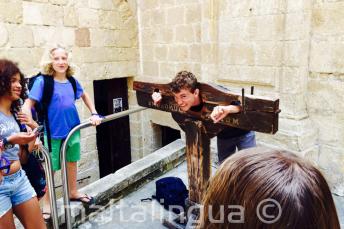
(156,96)
(220,112)
(95,120)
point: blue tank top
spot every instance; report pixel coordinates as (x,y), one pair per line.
(9,126)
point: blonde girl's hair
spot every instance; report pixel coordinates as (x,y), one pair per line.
(48,68)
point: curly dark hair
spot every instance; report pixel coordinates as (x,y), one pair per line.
(8,69)
(184,80)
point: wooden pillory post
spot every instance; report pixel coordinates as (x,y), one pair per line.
(258,114)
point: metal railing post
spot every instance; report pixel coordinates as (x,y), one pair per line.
(50,180)
(64,162)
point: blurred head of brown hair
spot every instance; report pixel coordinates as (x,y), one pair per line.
(252,176)
(184,80)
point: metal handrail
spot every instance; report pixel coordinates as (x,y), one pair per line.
(50,179)
(64,163)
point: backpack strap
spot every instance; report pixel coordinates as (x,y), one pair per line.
(72,80)
(48,91)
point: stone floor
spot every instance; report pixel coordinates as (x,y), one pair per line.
(131,213)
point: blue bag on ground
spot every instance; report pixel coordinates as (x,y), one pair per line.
(172,193)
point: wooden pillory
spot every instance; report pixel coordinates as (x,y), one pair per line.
(258,113)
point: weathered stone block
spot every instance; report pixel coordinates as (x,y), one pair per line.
(175,16)
(166,70)
(88,17)
(158,17)
(20,36)
(178,53)
(126,38)
(193,14)
(50,36)
(293,105)
(266,76)
(166,3)
(146,19)
(268,53)
(3,35)
(82,37)
(327,19)
(27,57)
(149,36)
(331,162)
(40,14)
(103,4)
(10,11)
(269,27)
(208,72)
(296,53)
(248,8)
(241,53)
(184,34)
(160,53)
(59,2)
(147,52)
(125,11)
(103,54)
(70,17)
(109,19)
(151,69)
(297,26)
(325,96)
(121,69)
(329,132)
(163,35)
(297,6)
(294,79)
(326,56)
(148,4)
(195,52)
(230,30)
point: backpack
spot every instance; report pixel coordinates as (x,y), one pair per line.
(170,192)
(40,113)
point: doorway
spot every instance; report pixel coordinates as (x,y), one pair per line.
(168,135)
(113,138)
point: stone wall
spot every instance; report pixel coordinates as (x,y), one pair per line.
(292,49)
(325,94)
(102,38)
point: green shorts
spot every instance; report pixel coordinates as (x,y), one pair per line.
(73,150)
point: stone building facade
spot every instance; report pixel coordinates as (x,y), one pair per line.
(101,36)
(292,49)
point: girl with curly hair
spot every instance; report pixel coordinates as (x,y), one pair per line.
(16,193)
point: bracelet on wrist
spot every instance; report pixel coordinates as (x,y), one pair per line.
(7,144)
(96,114)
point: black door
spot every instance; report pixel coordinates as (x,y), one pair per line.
(113,138)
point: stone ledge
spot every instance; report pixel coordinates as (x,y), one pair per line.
(126,179)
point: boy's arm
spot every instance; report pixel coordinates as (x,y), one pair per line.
(220,112)
(95,119)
